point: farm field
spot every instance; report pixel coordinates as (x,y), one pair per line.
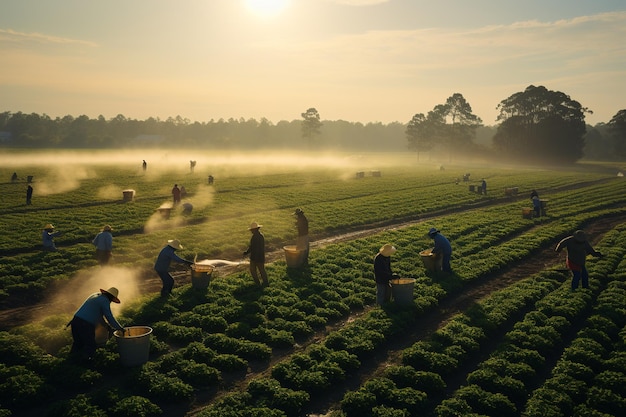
(498,337)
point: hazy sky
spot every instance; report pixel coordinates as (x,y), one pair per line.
(354,60)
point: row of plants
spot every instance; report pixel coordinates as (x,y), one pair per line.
(252,313)
(502,383)
(139,250)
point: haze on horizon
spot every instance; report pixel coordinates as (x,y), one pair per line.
(355,60)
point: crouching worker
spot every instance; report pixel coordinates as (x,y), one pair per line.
(95,309)
(383,274)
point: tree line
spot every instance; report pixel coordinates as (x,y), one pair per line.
(534,125)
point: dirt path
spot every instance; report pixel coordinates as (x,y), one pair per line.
(546,258)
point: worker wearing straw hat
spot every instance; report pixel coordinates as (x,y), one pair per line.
(256,250)
(104,245)
(47,237)
(383,274)
(93,312)
(162,265)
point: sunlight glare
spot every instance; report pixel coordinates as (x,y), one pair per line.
(266,8)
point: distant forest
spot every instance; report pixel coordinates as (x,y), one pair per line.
(21,130)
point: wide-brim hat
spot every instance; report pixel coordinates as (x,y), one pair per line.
(387,250)
(48,226)
(433,231)
(298,211)
(175,243)
(580,236)
(107,228)
(113,292)
(254,225)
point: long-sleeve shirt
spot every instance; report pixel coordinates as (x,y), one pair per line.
(382,269)
(302,224)
(47,238)
(576,251)
(103,241)
(95,307)
(442,244)
(257,247)
(165,258)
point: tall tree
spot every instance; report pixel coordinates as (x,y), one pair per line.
(311,125)
(462,129)
(617,129)
(417,134)
(541,125)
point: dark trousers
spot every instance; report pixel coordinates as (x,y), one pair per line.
(84,335)
(581,275)
(168,283)
(256,269)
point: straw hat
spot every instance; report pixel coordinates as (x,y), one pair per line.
(175,243)
(579,236)
(48,226)
(107,228)
(432,232)
(387,250)
(254,225)
(113,292)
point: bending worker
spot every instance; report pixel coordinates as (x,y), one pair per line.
(442,248)
(47,238)
(162,265)
(92,313)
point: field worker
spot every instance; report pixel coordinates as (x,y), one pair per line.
(302,225)
(144,165)
(537,206)
(176,194)
(162,265)
(577,248)
(104,245)
(442,248)
(256,250)
(29,195)
(92,313)
(383,274)
(483,185)
(47,238)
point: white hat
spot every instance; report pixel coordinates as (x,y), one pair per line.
(254,225)
(175,244)
(387,250)
(112,292)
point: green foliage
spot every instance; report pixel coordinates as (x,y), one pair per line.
(135,406)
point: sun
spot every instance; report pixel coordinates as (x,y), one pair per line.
(266,8)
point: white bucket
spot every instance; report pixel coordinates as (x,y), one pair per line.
(134,345)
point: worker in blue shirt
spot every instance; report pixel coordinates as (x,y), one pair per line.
(442,248)
(162,265)
(92,313)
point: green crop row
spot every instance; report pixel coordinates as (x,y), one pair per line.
(245,324)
